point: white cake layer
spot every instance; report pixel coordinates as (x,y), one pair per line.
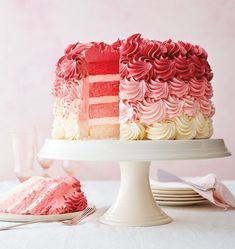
(103,121)
(103,99)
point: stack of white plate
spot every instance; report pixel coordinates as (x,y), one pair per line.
(175,194)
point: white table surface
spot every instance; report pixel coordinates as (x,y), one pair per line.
(200,226)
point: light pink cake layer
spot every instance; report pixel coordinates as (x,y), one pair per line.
(98,89)
(16,196)
(29,196)
(104,110)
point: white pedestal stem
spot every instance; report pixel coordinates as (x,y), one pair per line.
(135,205)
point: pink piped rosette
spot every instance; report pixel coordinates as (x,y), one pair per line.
(165,90)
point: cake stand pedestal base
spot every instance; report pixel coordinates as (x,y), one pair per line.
(135,205)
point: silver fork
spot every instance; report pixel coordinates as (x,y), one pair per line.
(73,221)
(88,211)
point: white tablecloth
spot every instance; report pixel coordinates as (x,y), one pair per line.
(200,226)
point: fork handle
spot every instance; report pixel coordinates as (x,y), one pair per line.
(21,224)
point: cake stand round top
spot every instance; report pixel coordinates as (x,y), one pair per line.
(142,150)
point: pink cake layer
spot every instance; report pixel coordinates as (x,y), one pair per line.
(40,195)
(104,110)
(106,67)
(98,89)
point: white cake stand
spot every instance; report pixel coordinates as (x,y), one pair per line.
(135,205)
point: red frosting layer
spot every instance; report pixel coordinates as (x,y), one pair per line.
(145,59)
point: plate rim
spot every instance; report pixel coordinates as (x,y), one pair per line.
(8,217)
(173,203)
(179,199)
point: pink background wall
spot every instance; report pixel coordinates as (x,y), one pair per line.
(34,33)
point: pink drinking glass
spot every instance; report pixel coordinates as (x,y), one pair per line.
(23,153)
(42,132)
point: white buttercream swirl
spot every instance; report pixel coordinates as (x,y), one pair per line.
(185,127)
(203,126)
(65,128)
(74,109)
(132,131)
(71,128)
(165,130)
(58,128)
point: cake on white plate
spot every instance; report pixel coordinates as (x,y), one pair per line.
(133,89)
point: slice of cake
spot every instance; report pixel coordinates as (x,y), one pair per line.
(41,196)
(133,89)
(103,90)
(86,92)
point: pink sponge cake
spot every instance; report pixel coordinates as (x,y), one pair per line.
(133,89)
(41,196)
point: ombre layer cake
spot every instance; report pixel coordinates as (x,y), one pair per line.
(41,196)
(133,89)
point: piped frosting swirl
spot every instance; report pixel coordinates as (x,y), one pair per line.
(168,84)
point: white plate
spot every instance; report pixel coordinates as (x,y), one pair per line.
(28,217)
(178,198)
(174,192)
(169,186)
(176,195)
(179,203)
